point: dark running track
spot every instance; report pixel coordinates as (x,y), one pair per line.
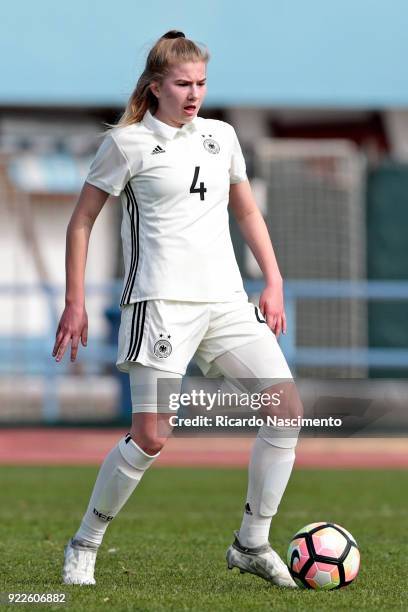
(88,446)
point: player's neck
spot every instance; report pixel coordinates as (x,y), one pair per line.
(165,119)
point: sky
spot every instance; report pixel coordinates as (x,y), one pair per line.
(263,53)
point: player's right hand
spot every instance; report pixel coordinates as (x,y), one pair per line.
(73,326)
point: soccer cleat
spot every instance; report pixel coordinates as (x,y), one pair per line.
(79,565)
(262,561)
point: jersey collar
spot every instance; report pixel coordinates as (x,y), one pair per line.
(168,131)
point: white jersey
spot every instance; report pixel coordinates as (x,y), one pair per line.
(174,187)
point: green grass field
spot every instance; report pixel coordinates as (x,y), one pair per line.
(166,549)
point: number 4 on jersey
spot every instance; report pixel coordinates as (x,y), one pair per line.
(194,189)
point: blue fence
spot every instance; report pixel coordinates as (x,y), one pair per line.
(329,356)
(34,354)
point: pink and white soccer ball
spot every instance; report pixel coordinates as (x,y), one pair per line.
(323,556)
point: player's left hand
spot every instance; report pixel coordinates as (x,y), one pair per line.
(272,308)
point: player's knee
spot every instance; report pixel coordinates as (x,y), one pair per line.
(284,401)
(149,442)
(296,403)
(290,402)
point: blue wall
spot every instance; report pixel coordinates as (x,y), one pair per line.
(291,52)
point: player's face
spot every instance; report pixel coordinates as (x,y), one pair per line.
(181,93)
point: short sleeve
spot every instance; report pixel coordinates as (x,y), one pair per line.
(237,168)
(109,169)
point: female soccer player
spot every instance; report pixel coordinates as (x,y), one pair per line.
(176,173)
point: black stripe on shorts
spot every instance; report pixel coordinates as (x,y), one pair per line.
(258,318)
(136,334)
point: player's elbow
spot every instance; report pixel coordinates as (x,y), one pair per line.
(89,205)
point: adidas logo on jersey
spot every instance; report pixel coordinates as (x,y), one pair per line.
(157,149)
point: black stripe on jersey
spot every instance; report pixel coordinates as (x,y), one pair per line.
(133,213)
(136,335)
(130,209)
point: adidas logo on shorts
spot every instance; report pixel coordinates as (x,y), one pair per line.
(157,149)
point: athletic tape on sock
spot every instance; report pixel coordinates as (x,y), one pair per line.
(274,485)
(281,437)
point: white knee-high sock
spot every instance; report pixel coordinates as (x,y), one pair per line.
(268,474)
(119,475)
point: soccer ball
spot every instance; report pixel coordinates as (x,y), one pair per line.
(323,556)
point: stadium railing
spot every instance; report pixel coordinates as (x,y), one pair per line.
(335,289)
(36,353)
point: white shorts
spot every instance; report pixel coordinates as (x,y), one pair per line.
(167,334)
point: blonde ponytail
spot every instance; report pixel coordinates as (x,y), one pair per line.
(172,48)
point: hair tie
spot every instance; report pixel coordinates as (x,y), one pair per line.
(174,34)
